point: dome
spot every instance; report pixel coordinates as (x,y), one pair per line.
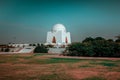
(59,27)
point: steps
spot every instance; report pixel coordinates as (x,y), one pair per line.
(26,50)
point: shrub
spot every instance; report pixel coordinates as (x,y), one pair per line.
(103,48)
(116,50)
(40,49)
(80,49)
(2,49)
(76,49)
(7,50)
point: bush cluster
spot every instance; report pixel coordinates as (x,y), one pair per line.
(40,49)
(94,47)
(5,49)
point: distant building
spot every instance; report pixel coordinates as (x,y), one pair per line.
(58,36)
(18,45)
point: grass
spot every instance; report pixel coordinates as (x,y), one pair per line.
(55,77)
(52,61)
(39,54)
(95,78)
(42,67)
(40,77)
(62,60)
(85,66)
(107,63)
(33,60)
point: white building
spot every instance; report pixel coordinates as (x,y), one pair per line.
(58,35)
(18,45)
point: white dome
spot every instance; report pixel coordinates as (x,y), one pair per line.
(59,27)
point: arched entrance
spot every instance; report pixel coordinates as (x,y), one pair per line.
(66,40)
(54,40)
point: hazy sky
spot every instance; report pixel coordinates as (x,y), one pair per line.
(27,21)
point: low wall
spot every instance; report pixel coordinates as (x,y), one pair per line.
(56,50)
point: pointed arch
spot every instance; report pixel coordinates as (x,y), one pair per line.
(66,40)
(54,40)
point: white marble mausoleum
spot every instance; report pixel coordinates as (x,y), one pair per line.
(58,35)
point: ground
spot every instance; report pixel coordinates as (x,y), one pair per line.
(56,67)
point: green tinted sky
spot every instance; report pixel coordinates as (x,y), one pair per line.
(29,20)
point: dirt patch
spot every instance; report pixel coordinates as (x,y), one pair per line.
(78,74)
(112,75)
(94,72)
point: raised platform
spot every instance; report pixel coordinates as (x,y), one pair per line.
(56,50)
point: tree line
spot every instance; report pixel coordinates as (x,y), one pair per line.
(94,47)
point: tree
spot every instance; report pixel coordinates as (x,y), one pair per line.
(116,50)
(2,49)
(38,44)
(98,47)
(33,44)
(99,38)
(88,39)
(118,39)
(118,36)
(7,50)
(80,49)
(30,44)
(110,40)
(103,48)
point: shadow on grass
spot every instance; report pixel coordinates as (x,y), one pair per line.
(53,60)
(107,63)
(85,66)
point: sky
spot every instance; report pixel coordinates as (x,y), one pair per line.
(28,21)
